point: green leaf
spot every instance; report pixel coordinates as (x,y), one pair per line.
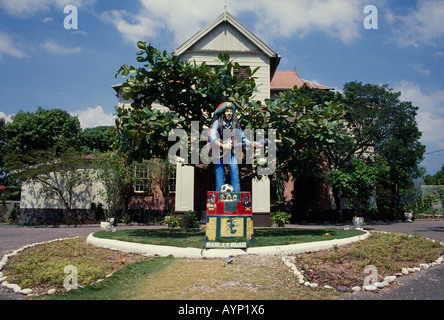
(141,45)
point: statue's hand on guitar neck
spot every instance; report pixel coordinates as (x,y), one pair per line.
(227,145)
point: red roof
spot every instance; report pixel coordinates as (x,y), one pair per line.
(284,80)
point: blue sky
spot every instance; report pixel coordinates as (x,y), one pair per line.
(44,64)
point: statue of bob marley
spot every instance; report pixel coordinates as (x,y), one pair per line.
(225,118)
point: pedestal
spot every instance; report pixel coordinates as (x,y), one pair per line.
(229,221)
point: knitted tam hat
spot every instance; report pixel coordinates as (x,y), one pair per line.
(224,106)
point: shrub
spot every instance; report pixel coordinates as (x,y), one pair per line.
(172,221)
(190,220)
(280,217)
(13,215)
(97,209)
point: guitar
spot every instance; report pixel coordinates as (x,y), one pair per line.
(223,152)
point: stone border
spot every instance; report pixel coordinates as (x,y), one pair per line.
(14,287)
(156,250)
(388,280)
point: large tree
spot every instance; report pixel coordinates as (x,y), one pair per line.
(42,130)
(31,134)
(192,92)
(382,131)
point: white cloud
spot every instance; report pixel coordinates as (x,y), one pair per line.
(53,47)
(5,116)
(93,117)
(420,68)
(30,7)
(430,118)
(9,47)
(422,25)
(133,28)
(430,114)
(341,19)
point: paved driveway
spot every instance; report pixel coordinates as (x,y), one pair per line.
(427,284)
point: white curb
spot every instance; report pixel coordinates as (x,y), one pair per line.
(155,250)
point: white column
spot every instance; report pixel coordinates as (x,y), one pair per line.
(261,195)
(184,199)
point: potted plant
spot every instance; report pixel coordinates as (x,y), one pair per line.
(280,218)
(358,222)
(408,211)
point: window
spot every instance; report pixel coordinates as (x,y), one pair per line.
(159,173)
(143,181)
(172,179)
(242,73)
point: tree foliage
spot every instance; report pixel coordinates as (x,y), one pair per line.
(117,179)
(192,92)
(382,131)
(35,142)
(2,150)
(357,183)
(189,90)
(436,179)
(303,129)
(96,139)
(42,130)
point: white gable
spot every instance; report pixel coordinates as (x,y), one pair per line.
(226,34)
(224,38)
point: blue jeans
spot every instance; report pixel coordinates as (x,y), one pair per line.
(234,174)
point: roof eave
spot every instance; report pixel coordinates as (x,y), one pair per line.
(227,17)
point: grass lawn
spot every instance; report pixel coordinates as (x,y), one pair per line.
(196,238)
(167,278)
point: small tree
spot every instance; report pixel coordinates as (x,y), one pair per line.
(58,173)
(117,178)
